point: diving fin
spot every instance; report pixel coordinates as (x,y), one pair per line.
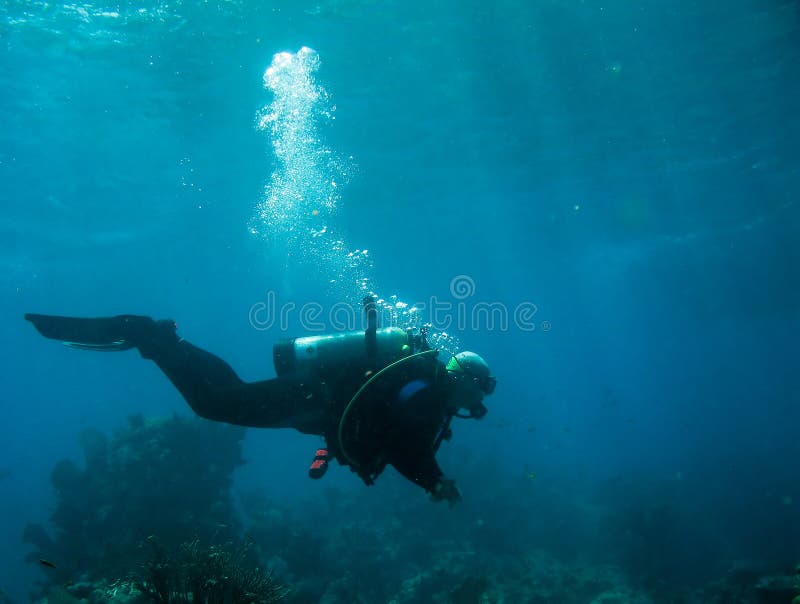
(110,347)
(122,332)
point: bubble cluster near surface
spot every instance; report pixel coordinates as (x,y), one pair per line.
(304,188)
(296,211)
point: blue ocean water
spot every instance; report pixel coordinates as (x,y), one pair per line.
(618,181)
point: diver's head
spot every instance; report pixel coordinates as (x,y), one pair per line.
(470,381)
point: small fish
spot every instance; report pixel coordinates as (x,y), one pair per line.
(531,475)
(47,563)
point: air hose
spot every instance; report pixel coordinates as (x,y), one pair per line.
(361,390)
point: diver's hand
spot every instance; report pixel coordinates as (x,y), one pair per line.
(446,490)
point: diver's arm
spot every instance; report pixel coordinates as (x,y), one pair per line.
(425,472)
(420,424)
(446,490)
(419,469)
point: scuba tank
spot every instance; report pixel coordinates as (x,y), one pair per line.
(372,348)
(312,354)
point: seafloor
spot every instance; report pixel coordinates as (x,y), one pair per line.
(152,517)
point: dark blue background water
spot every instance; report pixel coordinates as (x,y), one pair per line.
(632,169)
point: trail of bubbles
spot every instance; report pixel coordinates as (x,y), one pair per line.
(301,198)
(303,191)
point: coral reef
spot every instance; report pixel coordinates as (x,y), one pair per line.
(419,554)
(777,589)
(148,517)
(211,575)
(165,477)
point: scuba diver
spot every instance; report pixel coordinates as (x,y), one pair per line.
(377,397)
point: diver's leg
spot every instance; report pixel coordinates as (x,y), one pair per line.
(214,391)
(209,384)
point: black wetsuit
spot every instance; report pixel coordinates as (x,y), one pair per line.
(400,419)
